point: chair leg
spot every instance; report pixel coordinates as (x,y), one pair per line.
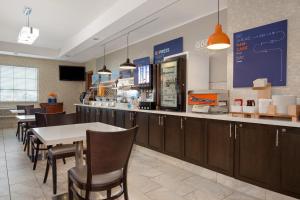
(54,175)
(46,171)
(108,193)
(64,160)
(32,152)
(125,188)
(18,131)
(70,191)
(25,136)
(25,143)
(22,133)
(36,156)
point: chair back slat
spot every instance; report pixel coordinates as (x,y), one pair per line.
(108,151)
(24,107)
(61,119)
(32,111)
(40,119)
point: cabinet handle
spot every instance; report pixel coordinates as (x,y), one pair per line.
(283,130)
(230,130)
(159,121)
(112,114)
(181,123)
(277,138)
(162,120)
(130,116)
(235,129)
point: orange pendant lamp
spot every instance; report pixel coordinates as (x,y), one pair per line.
(218,40)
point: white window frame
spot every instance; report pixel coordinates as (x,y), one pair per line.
(37,86)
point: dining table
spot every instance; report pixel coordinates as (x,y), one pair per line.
(15,111)
(25,118)
(72,133)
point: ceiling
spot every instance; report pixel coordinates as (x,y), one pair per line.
(75,30)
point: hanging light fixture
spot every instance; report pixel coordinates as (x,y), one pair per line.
(104,70)
(219,39)
(127,64)
(28,34)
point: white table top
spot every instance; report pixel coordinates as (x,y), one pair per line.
(17,111)
(25,118)
(67,134)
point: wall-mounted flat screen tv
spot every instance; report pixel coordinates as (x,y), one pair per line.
(71,73)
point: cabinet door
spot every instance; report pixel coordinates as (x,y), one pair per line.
(128,119)
(119,118)
(156,132)
(141,120)
(98,115)
(173,132)
(257,155)
(219,146)
(111,116)
(92,116)
(194,130)
(78,114)
(82,114)
(289,143)
(104,116)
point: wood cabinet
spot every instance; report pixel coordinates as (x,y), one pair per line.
(79,114)
(257,158)
(263,155)
(194,130)
(289,143)
(98,115)
(141,120)
(219,146)
(119,118)
(53,107)
(128,119)
(104,118)
(156,132)
(174,135)
(111,116)
(92,114)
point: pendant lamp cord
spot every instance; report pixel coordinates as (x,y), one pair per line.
(218,11)
(127,46)
(104,55)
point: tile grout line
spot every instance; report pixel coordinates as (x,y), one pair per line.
(3,141)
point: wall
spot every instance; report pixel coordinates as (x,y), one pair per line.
(242,15)
(68,92)
(192,33)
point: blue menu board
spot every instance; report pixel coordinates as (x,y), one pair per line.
(260,52)
(166,49)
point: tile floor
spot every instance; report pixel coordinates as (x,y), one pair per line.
(149,178)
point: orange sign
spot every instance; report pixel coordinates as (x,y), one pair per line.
(203,99)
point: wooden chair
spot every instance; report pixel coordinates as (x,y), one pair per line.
(26,126)
(21,107)
(60,151)
(41,121)
(106,166)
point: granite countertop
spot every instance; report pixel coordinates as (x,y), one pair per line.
(225,117)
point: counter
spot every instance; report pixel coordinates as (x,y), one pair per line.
(224,117)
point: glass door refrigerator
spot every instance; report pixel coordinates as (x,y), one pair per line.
(171,93)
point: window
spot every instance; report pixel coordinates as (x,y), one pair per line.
(18,84)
